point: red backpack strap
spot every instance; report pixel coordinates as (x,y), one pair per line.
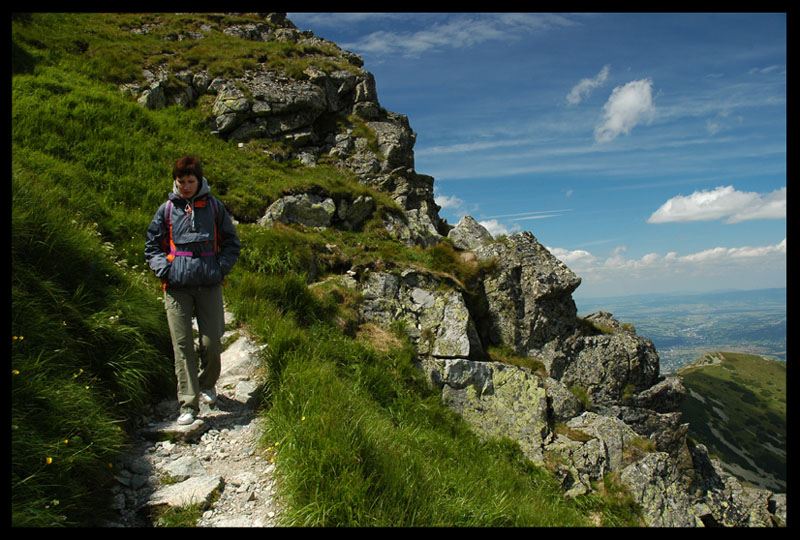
(168,215)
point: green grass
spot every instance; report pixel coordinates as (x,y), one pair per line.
(361,439)
(750,391)
(89,347)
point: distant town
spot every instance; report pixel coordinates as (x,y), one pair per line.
(685,326)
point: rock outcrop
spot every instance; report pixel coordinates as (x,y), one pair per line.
(327,115)
(435,316)
(529,295)
(596,407)
(318,211)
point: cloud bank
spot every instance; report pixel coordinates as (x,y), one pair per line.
(737,267)
(722,203)
(627,107)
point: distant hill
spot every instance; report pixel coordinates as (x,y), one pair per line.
(736,406)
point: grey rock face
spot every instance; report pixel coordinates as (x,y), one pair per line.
(610,366)
(319,211)
(469,234)
(437,321)
(308,210)
(529,297)
(497,400)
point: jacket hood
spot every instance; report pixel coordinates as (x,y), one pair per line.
(201,191)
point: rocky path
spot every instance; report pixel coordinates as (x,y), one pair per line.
(215,462)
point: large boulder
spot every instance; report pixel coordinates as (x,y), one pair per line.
(496,400)
(436,318)
(306,209)
(320,211)
(610,368)
(468,234)
(529,296)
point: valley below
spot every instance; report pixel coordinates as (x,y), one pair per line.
(683,327)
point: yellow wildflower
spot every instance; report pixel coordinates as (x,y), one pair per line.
(49,460)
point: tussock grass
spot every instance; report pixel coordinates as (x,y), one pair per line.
(88,348)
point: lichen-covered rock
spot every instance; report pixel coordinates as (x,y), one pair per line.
(610,368)
(306,209)
(589,447)
(666,395)
(665,502)
(724,501)
(437,320)
(469,234)
(529,296)
(496,400)
(320,211)
(563,403)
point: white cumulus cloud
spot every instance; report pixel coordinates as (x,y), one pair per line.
(448,201)
(496,228)
(616,273)
(578,257)
(627,107)
(585,86)
(723,202)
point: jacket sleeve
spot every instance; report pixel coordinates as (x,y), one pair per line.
(156,244)
(230,246)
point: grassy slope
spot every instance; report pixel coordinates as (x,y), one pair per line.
(739,407)
(363,441)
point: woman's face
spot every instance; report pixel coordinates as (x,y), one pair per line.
(187,186)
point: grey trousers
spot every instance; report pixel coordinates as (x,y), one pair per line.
(196,371)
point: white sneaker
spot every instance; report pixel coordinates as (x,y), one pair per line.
(185,419)
(209,396)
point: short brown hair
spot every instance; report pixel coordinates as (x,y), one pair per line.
(187,165)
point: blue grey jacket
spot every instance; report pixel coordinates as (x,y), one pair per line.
(194,260)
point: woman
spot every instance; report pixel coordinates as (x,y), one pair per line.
(191,246)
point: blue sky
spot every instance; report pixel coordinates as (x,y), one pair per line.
(646,151)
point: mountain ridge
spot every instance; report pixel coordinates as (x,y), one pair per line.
(736,405)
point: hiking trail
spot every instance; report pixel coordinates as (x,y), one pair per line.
(215,462)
